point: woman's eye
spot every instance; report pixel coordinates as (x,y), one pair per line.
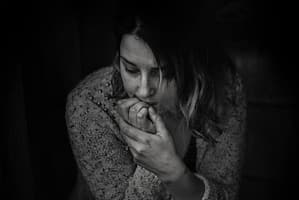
(131,70)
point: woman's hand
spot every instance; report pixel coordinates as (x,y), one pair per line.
(155,152)
(135,112)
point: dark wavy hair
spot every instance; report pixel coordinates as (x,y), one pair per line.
(185,46)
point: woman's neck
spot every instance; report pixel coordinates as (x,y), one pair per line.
(180,133)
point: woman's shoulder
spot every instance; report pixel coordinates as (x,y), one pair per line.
(97,81)
(92,101)
(96,88)
(94,92)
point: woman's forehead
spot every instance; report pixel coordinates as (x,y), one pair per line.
(137,51)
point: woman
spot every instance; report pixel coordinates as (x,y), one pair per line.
(165,121)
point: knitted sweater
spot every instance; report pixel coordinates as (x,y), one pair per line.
(106,163)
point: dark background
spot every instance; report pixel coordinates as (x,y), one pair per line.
(50,46)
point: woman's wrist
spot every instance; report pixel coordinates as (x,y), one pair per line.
(186,186)
(176,174)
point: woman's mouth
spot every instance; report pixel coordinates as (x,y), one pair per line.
(152,103)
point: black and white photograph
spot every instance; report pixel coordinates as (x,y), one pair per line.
(149,100)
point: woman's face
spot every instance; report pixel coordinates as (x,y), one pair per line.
(141,76)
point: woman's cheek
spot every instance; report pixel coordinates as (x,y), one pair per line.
(129,85)
(169,95)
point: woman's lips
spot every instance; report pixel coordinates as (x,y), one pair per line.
(151,103)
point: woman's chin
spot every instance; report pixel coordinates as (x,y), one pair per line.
(160,108)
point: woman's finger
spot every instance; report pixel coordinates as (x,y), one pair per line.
(157,120)
(134,111)
(151,128)
(133,145)
(144,122)
(124,106)
(132,132)
(141,118)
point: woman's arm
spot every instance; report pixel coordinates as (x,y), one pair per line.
(187,187)
(100,155)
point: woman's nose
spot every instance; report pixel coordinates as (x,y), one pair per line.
(145,88)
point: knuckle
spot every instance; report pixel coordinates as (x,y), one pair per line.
(140,115)
(139,151)
(133,109)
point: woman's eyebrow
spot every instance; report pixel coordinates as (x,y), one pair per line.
(127,61)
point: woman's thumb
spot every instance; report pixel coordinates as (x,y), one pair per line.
(157,120)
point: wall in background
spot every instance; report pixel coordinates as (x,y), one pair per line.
(52,46)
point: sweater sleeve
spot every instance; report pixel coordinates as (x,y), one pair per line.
(100,154)
(219,165)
